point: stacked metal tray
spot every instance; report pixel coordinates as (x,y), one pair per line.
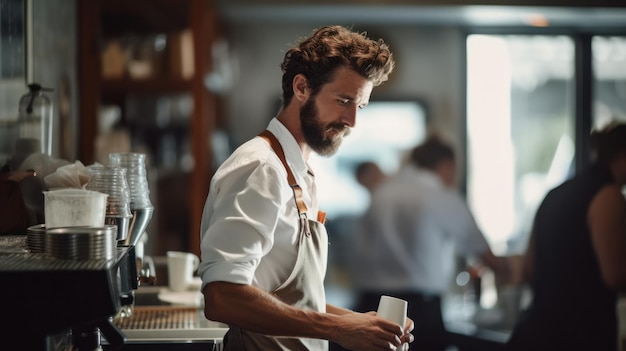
(82,243)
(36,238)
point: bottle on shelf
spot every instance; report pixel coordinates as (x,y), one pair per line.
(35,119)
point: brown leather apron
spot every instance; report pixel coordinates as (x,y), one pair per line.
(304,288)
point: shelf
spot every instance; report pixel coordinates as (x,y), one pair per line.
(141,17)
(101,20)
(152,85)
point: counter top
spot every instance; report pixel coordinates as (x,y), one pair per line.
(472,328)
(467,336)
(171,324)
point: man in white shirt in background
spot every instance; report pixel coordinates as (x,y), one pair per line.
(408,240)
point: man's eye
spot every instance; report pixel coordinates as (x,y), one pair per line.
(344,101)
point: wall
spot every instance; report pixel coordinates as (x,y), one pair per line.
(53,64)
(429,68)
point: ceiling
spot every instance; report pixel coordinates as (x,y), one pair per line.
(515,13)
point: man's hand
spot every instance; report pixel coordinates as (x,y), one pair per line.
(366,331)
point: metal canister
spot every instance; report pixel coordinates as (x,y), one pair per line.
(82,243)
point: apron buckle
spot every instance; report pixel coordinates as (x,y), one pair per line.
(304,224)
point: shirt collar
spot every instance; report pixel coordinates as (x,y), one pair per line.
(294,157)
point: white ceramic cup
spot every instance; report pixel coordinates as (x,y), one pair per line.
(393,309)
(180,268)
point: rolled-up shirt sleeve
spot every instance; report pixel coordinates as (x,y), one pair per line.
(239,219)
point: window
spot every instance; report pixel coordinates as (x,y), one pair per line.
(520,129)
(385,130)
(609,85)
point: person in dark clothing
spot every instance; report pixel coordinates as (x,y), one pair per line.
(576,258)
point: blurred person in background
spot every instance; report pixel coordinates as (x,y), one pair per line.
(576,257)
(369,175)
(408,240)
(263,242)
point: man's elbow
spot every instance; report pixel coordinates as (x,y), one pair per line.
(213,304)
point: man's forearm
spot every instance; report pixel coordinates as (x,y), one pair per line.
(256,310)
(337,310)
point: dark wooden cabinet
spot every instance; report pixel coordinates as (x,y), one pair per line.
(101,20)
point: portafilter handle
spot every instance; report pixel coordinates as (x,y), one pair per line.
(87,337)
(147,272)
(112,333)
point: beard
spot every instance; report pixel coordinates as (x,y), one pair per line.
(315,132)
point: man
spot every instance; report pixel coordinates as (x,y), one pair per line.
(409,238)
(264,247)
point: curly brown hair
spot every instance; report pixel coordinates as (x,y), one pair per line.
(328,48)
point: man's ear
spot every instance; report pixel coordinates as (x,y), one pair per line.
(301,89)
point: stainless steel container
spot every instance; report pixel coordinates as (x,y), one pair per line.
(82,243)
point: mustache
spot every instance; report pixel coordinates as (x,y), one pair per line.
(339,127)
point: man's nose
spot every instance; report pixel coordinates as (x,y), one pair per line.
(349,116)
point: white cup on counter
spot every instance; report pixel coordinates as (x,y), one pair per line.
(180,268)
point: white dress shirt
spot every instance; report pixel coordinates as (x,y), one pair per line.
(409,237)
(250,222)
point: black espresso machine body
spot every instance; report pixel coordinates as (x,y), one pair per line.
(42,296)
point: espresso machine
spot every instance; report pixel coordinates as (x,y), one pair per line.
(46,300)
(63,285)
(66,297)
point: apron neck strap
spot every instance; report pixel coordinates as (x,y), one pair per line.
(297,190)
